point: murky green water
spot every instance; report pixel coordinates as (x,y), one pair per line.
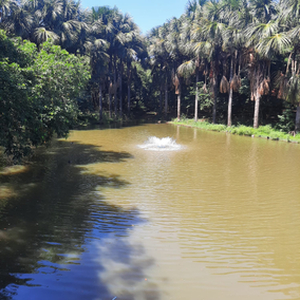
(97,217)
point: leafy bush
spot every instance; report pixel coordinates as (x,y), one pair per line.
(287,119)
(37,93)
(243,130)
(264,130)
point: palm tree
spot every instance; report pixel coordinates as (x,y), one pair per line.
(210,28)
(161,59)
(289,81)
(6,9)
(41,34)
(233,45)
(203,51)
(19,22)
(130,45)
(263,10)
(175,47)
(133,48)
(191,66)
(177,85)
(263,26)
(99,65)
(104,22)
(186,70)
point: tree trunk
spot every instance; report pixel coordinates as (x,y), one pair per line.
(121,98)
(196,96)
(214,110)
(100,102)
(121,90)
(128,99)
(129,74)
(110,99)
(229,118)
(178,107)
(256,97)
(297,122)
(115,88)
(166,98)
(110,86)
(160,100)
(215,89)
(256,112)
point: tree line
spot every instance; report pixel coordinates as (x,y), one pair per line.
(230,47)
(56,57)
(109,39)
(222,59)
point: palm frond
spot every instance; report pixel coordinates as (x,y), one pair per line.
(224,85)
(41,35)
(187,68)
(235,83)
(277,43)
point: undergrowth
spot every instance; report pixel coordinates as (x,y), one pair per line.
(262,131)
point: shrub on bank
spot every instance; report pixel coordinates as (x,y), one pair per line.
(263,131)
(241,130)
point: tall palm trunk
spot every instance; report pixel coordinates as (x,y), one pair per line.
(294,69)
(121,90)
(256,96)
(196,96)
(297,122)
(166,98)
(178,106)
(129,74)
(110,87)
(229,117)
(215,90)
(161,95)
(110,98)
(115,87)
(256,111)
(160,100)
(100,102)
(128,99)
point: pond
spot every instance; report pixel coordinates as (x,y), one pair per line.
(152,212)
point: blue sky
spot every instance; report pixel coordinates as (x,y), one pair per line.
(146,13)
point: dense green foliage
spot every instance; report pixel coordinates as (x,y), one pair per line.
(244,53)
(230,62)
(110,40)
(37,94)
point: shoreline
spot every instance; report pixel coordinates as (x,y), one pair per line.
(265,132)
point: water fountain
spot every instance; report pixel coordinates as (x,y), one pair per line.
(164,144)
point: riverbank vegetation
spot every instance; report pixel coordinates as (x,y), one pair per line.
(230,62)
(37,92)
(238,60)
(265,131)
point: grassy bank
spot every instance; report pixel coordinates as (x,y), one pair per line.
(263,131)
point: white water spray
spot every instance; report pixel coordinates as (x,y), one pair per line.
(164,144)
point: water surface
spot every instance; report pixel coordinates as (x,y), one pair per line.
(98,217)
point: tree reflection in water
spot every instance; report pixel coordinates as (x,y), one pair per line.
(58,236)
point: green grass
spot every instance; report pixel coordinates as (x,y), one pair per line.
(263,131)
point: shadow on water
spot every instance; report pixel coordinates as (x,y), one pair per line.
(141,120)
(60,239)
